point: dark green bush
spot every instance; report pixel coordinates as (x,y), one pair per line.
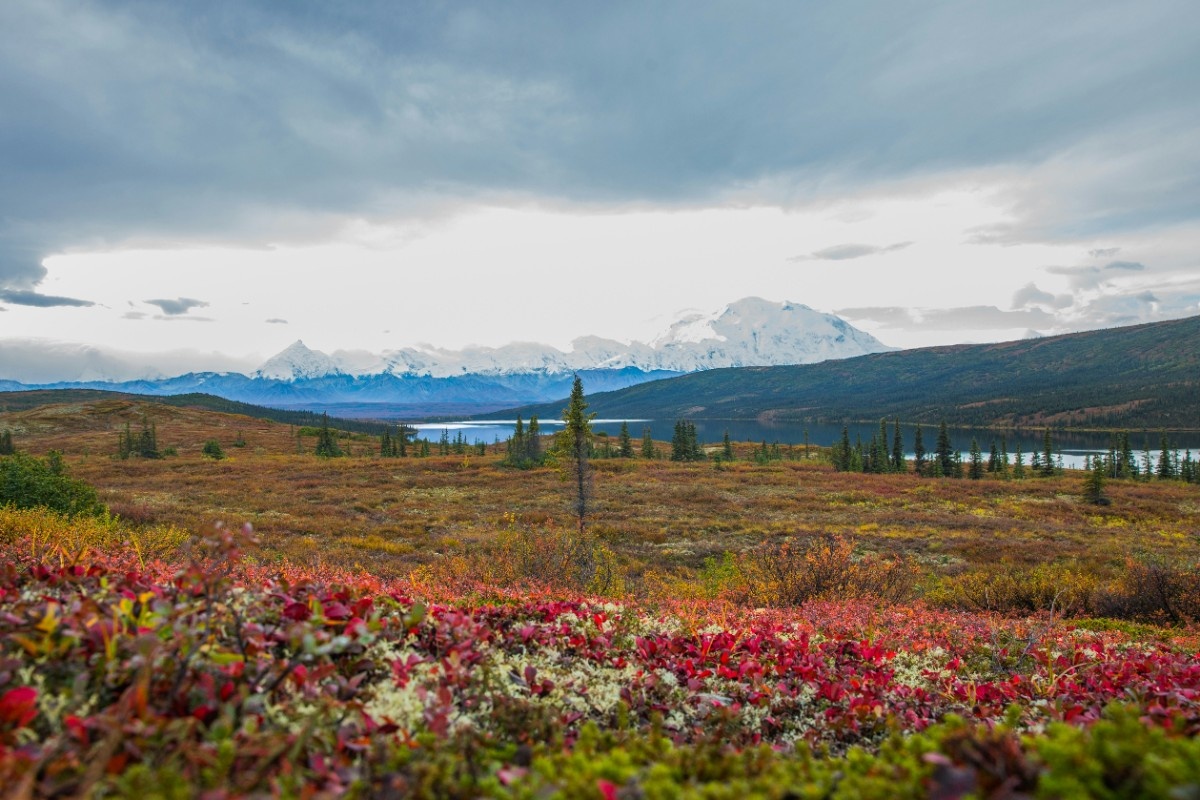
(28,482)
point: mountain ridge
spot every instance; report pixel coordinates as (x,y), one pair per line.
(747,331)
(1138,376)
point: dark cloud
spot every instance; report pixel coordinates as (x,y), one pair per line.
(950,319)
(180,305)
(845,252)
(1104,252)
(253,120)
(1130,266)
(19,297)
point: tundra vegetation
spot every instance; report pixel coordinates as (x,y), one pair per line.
(752,620)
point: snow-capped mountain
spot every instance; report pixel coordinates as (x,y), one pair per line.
(297,362)
(750,332)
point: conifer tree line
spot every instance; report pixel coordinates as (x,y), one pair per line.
(946,460)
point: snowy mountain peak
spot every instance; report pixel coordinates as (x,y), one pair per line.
(749,332)
(297,362)
(758,332)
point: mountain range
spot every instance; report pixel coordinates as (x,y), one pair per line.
(1132,377)
(426,380)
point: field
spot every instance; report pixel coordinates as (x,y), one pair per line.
(422,626)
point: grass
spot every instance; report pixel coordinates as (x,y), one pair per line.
(390,516)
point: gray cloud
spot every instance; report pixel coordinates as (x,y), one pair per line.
(1104,252)
(845,252)
(277,321)
(950,319)
(1031,295)
(180,305)
(1092,277)
(256,121)
(20,297)
(42,361)
(179,318)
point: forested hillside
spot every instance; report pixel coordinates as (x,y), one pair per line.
(1140,376)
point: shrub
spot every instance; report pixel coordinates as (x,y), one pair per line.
(1011,588)
(28,482)
(1152,589)
(212,449)
(824,568)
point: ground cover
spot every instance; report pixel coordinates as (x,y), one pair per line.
(123,676)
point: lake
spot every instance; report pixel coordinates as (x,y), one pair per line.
(1074,445)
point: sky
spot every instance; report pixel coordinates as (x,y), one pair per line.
(196,185)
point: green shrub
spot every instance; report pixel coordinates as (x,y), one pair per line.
(212,449)
(28,482)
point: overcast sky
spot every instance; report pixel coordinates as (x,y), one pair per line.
(198,184)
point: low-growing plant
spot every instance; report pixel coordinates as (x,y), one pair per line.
(825,567)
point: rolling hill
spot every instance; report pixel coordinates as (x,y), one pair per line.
(36,398)
(1140,376)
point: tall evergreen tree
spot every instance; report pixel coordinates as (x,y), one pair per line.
(647,443)
(1093,486)
(918,451)
(726,447)
(327,446)
(944,452)
(897,447)
(624,442)
(575,445)
(533,442)
(975,471)
(1018,463)
(1165,469)
(6,443)
(842,452)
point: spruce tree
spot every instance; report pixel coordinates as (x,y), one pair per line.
(575,444)
(1093,487)
(944,453)
(1047,454)
(6,443)
(533,442)
(624,442)
(327,446)
(679,446)
(897,447)
(975,472)
(726,448)
(647,443)
(1018,470)
(1165,469)
(918,452)
(842,452)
